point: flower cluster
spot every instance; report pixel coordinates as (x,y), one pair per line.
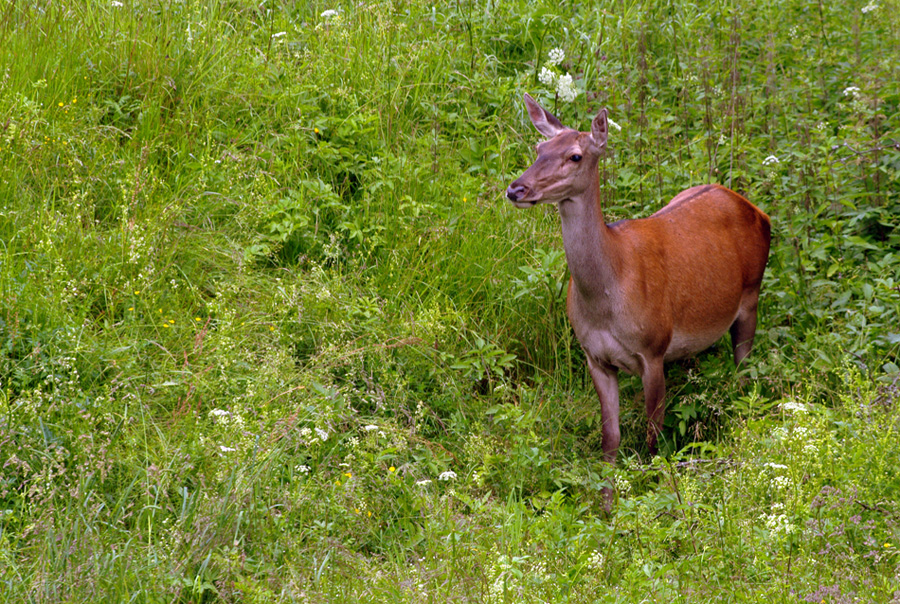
(556,56)
(565,88)
(623,486)
(596,560)
(793,407)
(310,438)
(549,76)
(778,524)
(855,102)
(333,20)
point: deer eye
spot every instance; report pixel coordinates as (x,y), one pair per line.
(576,158)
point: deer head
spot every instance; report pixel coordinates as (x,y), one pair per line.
(566,162)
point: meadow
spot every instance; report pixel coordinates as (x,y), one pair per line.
(270,331)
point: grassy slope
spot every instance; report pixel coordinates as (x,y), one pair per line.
(259,291)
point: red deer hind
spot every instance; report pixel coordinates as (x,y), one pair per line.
(649,290)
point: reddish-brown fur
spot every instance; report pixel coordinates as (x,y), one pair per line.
(649,290)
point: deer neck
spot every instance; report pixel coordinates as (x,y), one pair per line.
(590,249)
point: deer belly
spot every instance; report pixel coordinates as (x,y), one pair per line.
(686,344)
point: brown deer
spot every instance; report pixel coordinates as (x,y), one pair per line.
(649,290)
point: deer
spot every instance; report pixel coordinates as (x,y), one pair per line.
(648,290)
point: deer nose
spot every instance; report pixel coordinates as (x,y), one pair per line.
(515,192)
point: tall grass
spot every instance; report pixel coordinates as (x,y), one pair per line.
(269,332)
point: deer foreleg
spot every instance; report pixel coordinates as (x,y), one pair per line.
(606,383)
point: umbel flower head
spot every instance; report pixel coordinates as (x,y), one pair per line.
(547,77)
(562,84)
(556,56)
(565,88)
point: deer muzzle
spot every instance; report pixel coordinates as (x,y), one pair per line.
(517,191)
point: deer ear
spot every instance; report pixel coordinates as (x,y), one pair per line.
(545,122)
(600,128)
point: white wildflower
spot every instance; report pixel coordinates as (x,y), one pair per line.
(219,413)
(775,466)
(614,125)
(423,482)
(778,523)
(225,449)
(771,160)
(302,469)
(547,77)
(852,91)
(448,475)
(556,56)
(322,434)
(565,88)
(329,14)
(792,407)
(279,34)
(116,4)
(370,427)
(870,7)
(782,482)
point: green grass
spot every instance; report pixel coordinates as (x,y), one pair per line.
(269,331)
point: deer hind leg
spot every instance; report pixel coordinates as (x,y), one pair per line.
(653,379)
(744,327)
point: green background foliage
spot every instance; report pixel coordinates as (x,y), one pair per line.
(270,332)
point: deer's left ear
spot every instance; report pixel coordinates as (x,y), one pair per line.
(600,128)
